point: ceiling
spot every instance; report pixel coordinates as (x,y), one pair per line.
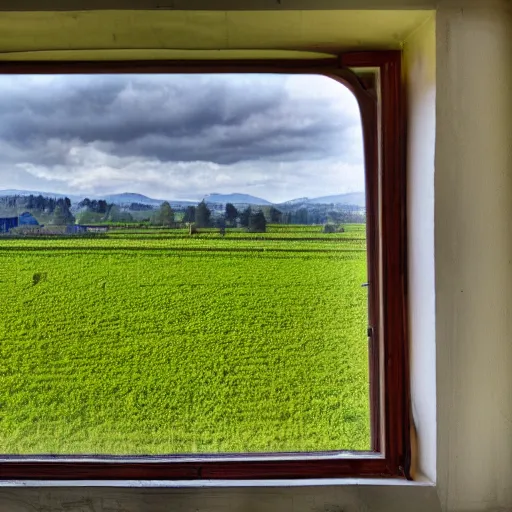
(169,34)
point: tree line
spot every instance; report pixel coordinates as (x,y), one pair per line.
(57,209)
(201,217)
(93,211)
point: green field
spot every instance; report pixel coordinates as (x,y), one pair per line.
(153,342)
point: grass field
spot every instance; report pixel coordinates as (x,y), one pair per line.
(146,342)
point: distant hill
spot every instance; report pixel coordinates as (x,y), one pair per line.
(235,199)
(298,201)
(353,198)
(130,197)
(119,199)
(126,198)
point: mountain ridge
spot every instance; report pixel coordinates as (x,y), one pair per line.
(351,198)
(235,197)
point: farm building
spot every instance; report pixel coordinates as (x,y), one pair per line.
(96,229)
(27,219)
(74,229)
(8,223)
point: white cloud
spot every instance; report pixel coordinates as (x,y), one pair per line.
(94,172)
(275,136)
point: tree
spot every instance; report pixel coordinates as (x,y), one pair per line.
(116,215)
(62,217)
(94,205)
(51,204)
(274,216)
(301,216)
(231,213)
(244,217)
(39,202)
(102,206)
(203,214)
(190,214)
(140,207)
(257,222)
(165,216)
(85,203)
(314,217)
(334,217)
(286,218)
(89,217)
(220,223)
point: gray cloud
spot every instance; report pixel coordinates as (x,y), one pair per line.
(69,125)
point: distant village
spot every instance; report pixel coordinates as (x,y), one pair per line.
(44,215)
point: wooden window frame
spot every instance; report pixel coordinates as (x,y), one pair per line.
(375,80)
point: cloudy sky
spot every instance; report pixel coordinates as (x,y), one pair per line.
(180,136)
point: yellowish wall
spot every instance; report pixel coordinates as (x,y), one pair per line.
(91,32)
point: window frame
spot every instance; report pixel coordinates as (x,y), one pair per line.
(375,80)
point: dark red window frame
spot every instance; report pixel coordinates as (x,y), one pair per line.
(375,80)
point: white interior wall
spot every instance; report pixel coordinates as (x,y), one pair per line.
(420,80)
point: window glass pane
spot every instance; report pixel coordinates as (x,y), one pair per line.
(182,265)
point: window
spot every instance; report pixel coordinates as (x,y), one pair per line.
(377,92)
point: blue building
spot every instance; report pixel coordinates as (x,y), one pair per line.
(27,219)
(8,223)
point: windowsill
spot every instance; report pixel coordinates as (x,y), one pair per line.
(173,484)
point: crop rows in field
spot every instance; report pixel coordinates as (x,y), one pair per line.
(160,350)
(142,242)
(273,231)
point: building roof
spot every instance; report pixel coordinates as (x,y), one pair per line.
(28,218)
